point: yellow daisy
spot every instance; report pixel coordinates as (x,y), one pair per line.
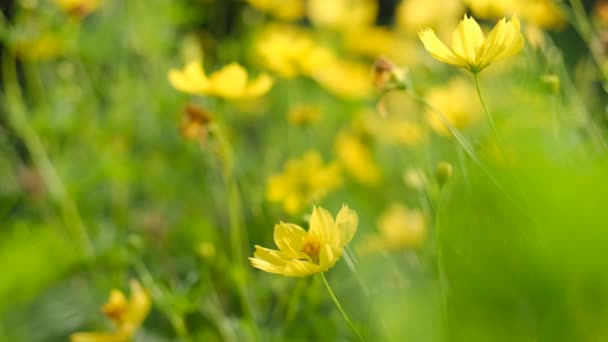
(470,50)
(302,253)
(230,82)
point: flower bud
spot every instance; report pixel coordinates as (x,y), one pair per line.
(444,172)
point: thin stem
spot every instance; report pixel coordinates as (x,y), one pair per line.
(441,278)
(350,324)
(15,107)
(490,118)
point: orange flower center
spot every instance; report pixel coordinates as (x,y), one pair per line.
(312,247)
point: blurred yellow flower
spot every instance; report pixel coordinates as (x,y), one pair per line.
(304,115)
(380,41)
(303,181)
(440,15)
(45,46)
(356,158)
(229,82)
(302,253)
(396,129)
(291,52)
(128,316)
(79,8)
(282,9)
(346,79)
(470,50)
(342,15)
(457,102)
(399,228)
(543,13)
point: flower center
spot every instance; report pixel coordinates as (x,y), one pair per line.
(312,247)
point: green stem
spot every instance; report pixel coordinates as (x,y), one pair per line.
(15,107)
(441,267)
(490,118)
(350,324)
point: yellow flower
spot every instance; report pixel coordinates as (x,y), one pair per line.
(302,253)
(543,13)
(440,15)
(79,8)
(282,9)
(357,159)
(303,181)
(229,82)
(128,316)
(290,52)
(342,15)
(346,79)
(399,228)
(470,50)
(456,101)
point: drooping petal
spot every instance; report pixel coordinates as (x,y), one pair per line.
(229,82)
(346,222)
(438,50)
(289,238)
(322,225)
(258,87)
(466,40)
(268,260)
(300,268)
(139,305)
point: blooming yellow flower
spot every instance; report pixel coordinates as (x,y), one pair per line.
(302,253)
(229,82)
(470,50)
(128,315)
(456,101)
(303,181)
(357,159)
(399,228)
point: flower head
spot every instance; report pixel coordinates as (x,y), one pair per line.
(230,82)
(303,181)
(470,50)
(128,315)
(302,253)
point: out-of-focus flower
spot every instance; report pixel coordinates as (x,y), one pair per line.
(552,81)
(291,52)
(399,228)
(380,41)
(415,179)
(396,129)
(79,8)
(543,13)
(470,50)
(440,15)
(302,253)
(346,79)
(282,9)
(127,315)
(342,15)
(230,82)
(39,48)
(456,102)
(357,159)
(304,115)
(303,181)
(195,123)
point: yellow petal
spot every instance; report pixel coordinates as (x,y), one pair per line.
(258,87)
(466,40)
(346,222)
(327,257)
(139,305)
(229,82)
(503,41)
(300,268)
(289,238)
(268,260)
(99,337)
(438,50)
(322,225)
(191,80)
